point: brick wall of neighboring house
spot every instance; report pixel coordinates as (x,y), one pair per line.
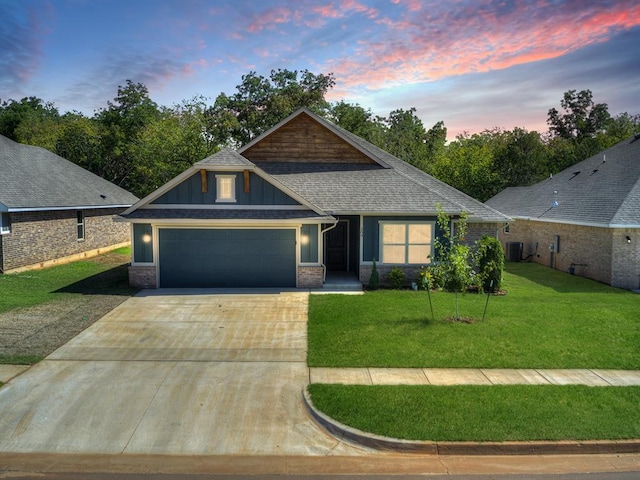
(38,237)
(310,277)
(142,276)
(625,266)
(477,230)
(589,249)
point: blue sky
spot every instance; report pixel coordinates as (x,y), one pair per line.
(473,64)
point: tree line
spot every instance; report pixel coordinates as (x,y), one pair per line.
(140,145)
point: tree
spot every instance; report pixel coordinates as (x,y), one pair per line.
(468,165)
(581,117)
(453,258)
(357,120)
(406,138)
(120,127)
(170,144)
(32,110)
(520,158)
(261,102)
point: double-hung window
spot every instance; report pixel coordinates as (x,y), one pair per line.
(406,243)
(225,188)
(80,224)
(5,223)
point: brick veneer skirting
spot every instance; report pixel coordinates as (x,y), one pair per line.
(142,277)
(310,277)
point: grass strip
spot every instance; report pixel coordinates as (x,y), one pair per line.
(105,274)
(547,319)
(494,413)
(20,359)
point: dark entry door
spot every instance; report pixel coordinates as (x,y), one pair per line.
(337,247)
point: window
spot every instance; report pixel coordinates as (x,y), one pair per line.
(406,243)
(80,224)
(225,188)
(5,223)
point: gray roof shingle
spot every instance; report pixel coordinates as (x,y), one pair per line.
(35,178)
(602,190)
(393,187)
(225,158)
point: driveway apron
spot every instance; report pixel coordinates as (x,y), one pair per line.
(174,372)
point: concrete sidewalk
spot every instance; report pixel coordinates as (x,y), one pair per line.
(474,376)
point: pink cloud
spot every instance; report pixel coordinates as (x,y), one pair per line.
(429,46)
(269,18)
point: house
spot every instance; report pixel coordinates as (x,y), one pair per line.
(303,200)
(54,211)
(584,220)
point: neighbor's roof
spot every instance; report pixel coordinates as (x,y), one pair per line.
(33,178)
(391,187)
(603,190)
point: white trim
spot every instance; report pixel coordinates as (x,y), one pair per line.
(583,224)
(224,221)
(49,209)
(221,180)
(406,223)
(206,206)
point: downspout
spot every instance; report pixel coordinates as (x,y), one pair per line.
(322,232)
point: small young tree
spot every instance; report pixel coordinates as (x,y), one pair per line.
(374,278)
(490,260)
(454,259)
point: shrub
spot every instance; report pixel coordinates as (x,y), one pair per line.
(396,278)
(490,261)
(374,278)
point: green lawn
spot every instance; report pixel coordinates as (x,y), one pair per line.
(485,413)
(92,276)
(547,319)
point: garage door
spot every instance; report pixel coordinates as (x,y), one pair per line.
(212,258)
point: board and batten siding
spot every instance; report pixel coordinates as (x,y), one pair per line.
(189,192)
(304,140)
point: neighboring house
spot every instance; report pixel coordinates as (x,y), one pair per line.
(54,211)
(304,199)
(585,219)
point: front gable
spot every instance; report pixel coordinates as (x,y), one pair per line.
(201,188)
(302,139)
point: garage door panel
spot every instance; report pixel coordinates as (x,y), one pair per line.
(227,258)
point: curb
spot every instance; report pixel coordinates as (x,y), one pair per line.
(568,447)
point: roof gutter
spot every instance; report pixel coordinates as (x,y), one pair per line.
(75,207)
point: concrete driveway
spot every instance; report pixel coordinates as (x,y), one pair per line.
(174,372)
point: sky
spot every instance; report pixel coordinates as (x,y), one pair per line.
(474,64)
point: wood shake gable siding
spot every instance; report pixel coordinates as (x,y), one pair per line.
(305,140)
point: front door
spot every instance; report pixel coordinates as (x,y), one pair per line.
(336,244)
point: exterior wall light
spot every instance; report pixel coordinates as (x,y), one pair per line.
(304,239)
(146,238)
(628,239)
